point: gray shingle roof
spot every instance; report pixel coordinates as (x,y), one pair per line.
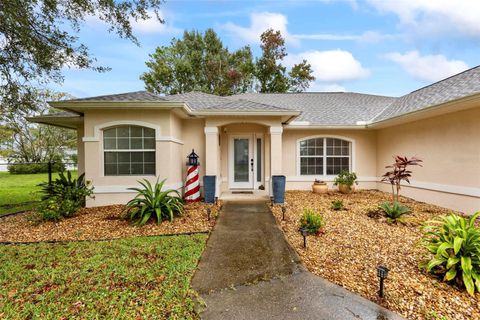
(320,108)
(455,87)
(325,108)
(244,105)
(136,96)
(198,100)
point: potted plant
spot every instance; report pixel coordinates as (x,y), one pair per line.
(346,181)
(319,186)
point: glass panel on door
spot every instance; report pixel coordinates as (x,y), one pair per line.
(240,160)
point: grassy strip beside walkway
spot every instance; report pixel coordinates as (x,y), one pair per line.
(146,278)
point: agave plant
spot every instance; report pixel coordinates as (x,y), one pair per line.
(455,243)
(152,201)
(394,212)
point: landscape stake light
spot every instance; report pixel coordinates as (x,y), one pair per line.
(283,213)
(208,213)
(382,273)
(271,201)
(216,201)
(304,233)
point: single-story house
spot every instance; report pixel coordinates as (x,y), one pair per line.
(244,139)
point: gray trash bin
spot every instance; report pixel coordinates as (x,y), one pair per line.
(209,183)
(278,186)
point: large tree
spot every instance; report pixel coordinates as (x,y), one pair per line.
(23,141)
(199,62)
(271,75)
(39,37)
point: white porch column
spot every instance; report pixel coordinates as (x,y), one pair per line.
(212,155)
(276,150)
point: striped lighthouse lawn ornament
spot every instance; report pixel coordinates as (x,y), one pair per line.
(192,186)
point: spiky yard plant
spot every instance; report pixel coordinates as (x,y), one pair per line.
(454,242)
(394,212)
(152,201)
(338,205)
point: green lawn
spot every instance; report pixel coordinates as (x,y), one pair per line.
(137,278)
(20,191)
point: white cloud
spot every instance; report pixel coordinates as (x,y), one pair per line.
(427,67)
(259,22)
(331,65)
(427,17)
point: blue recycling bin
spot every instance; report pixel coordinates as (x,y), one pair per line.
(209,183)
(278,186)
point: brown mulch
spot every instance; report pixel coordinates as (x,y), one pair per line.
(101,223)
(358,239)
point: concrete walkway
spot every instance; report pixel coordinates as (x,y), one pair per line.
(249,271)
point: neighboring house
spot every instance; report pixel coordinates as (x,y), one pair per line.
(245,139)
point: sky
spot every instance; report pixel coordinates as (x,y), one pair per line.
(385,47)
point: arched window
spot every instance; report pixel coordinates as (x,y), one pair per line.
(324,156)
(129,150)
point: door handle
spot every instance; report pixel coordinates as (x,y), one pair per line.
(251,164)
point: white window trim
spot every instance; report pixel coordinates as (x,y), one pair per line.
(325,176)
(112,124)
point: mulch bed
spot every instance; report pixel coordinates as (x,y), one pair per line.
(100,223)
(358,239)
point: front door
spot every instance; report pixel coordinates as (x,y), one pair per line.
(242,164)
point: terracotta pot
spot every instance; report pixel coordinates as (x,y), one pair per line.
(319,187)
(343,188)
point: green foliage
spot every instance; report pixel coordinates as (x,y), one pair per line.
(199,62)
(40,39)
(64,196)
(394,212)
(56,208)
(33,142)
(454,243)
(311,221)
(133,278)
(34,168)
(151,201)
(338,205)
(271,75)
(346,177)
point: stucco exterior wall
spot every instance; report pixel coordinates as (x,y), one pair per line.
(113,189)
(449,145)
(80,150)
(364,160)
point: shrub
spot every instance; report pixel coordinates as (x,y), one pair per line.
(57,208)
(455,244)
(338,205)
(33,168)
(394,212)
(311,221)
(152,201)
(346,178)
(67,187)
(64,196)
